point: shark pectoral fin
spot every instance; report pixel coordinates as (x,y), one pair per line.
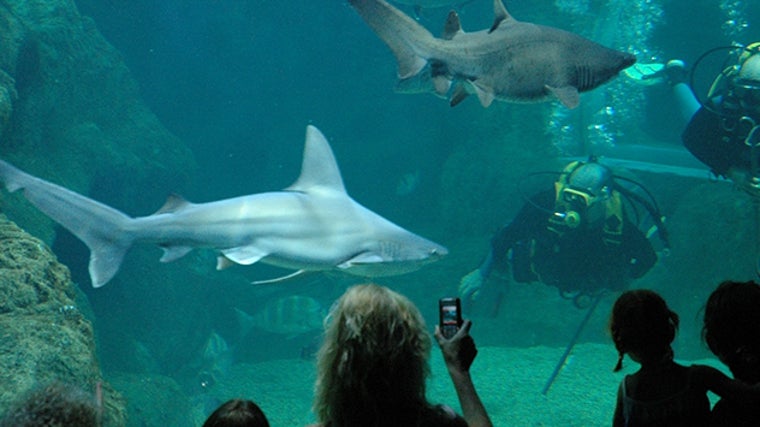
(173,253)
(279,279)
(567,95)
(460,93)
(442,85)
(245,255)
(485,93)
(362,258)
(223,263)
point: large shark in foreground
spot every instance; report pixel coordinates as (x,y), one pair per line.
(311,225)
(512,61)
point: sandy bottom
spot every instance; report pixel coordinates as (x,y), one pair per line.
(509,380)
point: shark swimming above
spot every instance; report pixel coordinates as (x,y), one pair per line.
(433,4)
(512,61)
(313,225)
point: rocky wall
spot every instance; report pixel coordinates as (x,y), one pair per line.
(71,112)
(45,335)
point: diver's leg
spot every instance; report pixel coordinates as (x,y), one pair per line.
(677,78)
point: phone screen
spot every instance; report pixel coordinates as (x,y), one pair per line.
(450,316)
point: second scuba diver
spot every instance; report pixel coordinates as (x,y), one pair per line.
(723,131)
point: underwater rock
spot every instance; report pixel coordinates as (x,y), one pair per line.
(78,120)
(714,233)
(154,401)
(7,96)
(77,115)
(45,336)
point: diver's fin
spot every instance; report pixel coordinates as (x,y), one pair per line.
(646,74)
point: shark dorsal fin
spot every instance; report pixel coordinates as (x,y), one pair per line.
(500,14)
(174,203)
(452,27)
(319,169)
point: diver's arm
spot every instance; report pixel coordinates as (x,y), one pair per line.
(486,267)
(676,76)
(639,250)
(686,101)
(533,216)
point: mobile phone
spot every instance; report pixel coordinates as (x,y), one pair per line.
(450,312)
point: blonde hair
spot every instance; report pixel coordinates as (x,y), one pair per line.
(373,363)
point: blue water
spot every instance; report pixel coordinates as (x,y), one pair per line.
(238,81)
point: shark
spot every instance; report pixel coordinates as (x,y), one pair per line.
(511,61)
(312,225)
(419,5)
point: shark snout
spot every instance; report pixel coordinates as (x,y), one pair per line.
(626,61)
(438,251)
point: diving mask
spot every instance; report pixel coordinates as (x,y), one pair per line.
(579,190)
(578,206)
(737,87)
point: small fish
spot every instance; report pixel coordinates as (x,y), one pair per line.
(142,359)
(407,183)
(215,346)
(215,362)
(291,316)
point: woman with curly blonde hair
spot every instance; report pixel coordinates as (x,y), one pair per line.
(373,364)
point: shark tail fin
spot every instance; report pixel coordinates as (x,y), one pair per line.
(103,229)
(404,36)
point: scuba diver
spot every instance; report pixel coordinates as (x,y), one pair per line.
(723,131)
(576,237)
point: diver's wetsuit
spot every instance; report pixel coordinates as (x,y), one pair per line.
(718,142)
(577,261)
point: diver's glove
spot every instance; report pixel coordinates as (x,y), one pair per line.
(675,72)
(469,286)
(646,74)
